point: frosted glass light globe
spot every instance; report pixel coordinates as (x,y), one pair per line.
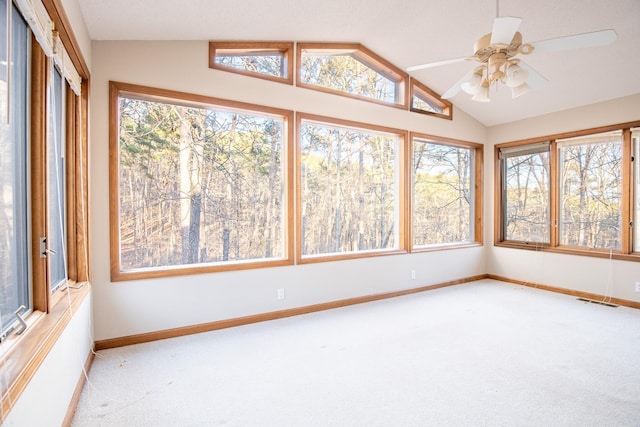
(516,76)
(472,86)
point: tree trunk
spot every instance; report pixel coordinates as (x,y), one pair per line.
(190,192)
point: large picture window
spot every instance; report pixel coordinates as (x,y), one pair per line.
(350,188)
(200,182)
(573,193)
(444,203)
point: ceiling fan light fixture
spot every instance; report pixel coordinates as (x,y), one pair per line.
(519,90)
(473,85)
(515,76)
(496,54)
(482,95)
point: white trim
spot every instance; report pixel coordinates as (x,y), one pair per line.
(522,150)
(41,25)
(64,63)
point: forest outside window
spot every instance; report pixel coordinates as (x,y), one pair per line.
(591,191)
(350,189)
(575,193)
(445,206)
(202,184)
(525,193)
(267,60)
(351,70)
(425,101)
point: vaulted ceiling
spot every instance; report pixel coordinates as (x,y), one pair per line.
(410,32)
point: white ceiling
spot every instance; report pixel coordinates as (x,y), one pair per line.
(410,32)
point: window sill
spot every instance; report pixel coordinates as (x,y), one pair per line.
(567,250)
(445,247)
(310,259)
(27,352)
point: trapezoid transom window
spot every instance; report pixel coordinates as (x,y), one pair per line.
(351,69)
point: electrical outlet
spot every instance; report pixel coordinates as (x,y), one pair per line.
(280,293)
(637,286)
(413,275)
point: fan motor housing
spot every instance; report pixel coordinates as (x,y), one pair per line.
(483,49)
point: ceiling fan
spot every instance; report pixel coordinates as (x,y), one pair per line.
(497,54)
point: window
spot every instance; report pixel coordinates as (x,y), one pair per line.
(56,200)
(525,193)
(573,193)
(201,182)
(591,190)
(14,227)
(445,204)
(43,193)
(268,60)
(352,70)
(350,188)
(425,101)
(347,69)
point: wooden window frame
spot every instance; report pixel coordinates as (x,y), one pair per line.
(52,312)
(407,87)
(627,209)
(402,136)
(430,97)
(116,89)
(366,56)
(477,184)
(247,47)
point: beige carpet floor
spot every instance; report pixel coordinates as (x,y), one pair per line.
(485,353)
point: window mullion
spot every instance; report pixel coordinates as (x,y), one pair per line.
(478,196)
(554,195)
(627,193)
(39,67)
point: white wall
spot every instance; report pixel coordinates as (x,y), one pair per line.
(595,275)
(45,400)
(134,307)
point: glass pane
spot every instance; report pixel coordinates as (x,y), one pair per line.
(344,73)
(349,186)
(443,195)
(270,64)
(526,198)
(14,232)
(56,238)
(591,191)
(419,103)
(199,185)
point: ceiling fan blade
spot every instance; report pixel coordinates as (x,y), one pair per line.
(453,90)
(535,80)
(576,41)
(436,64)
(504,28)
